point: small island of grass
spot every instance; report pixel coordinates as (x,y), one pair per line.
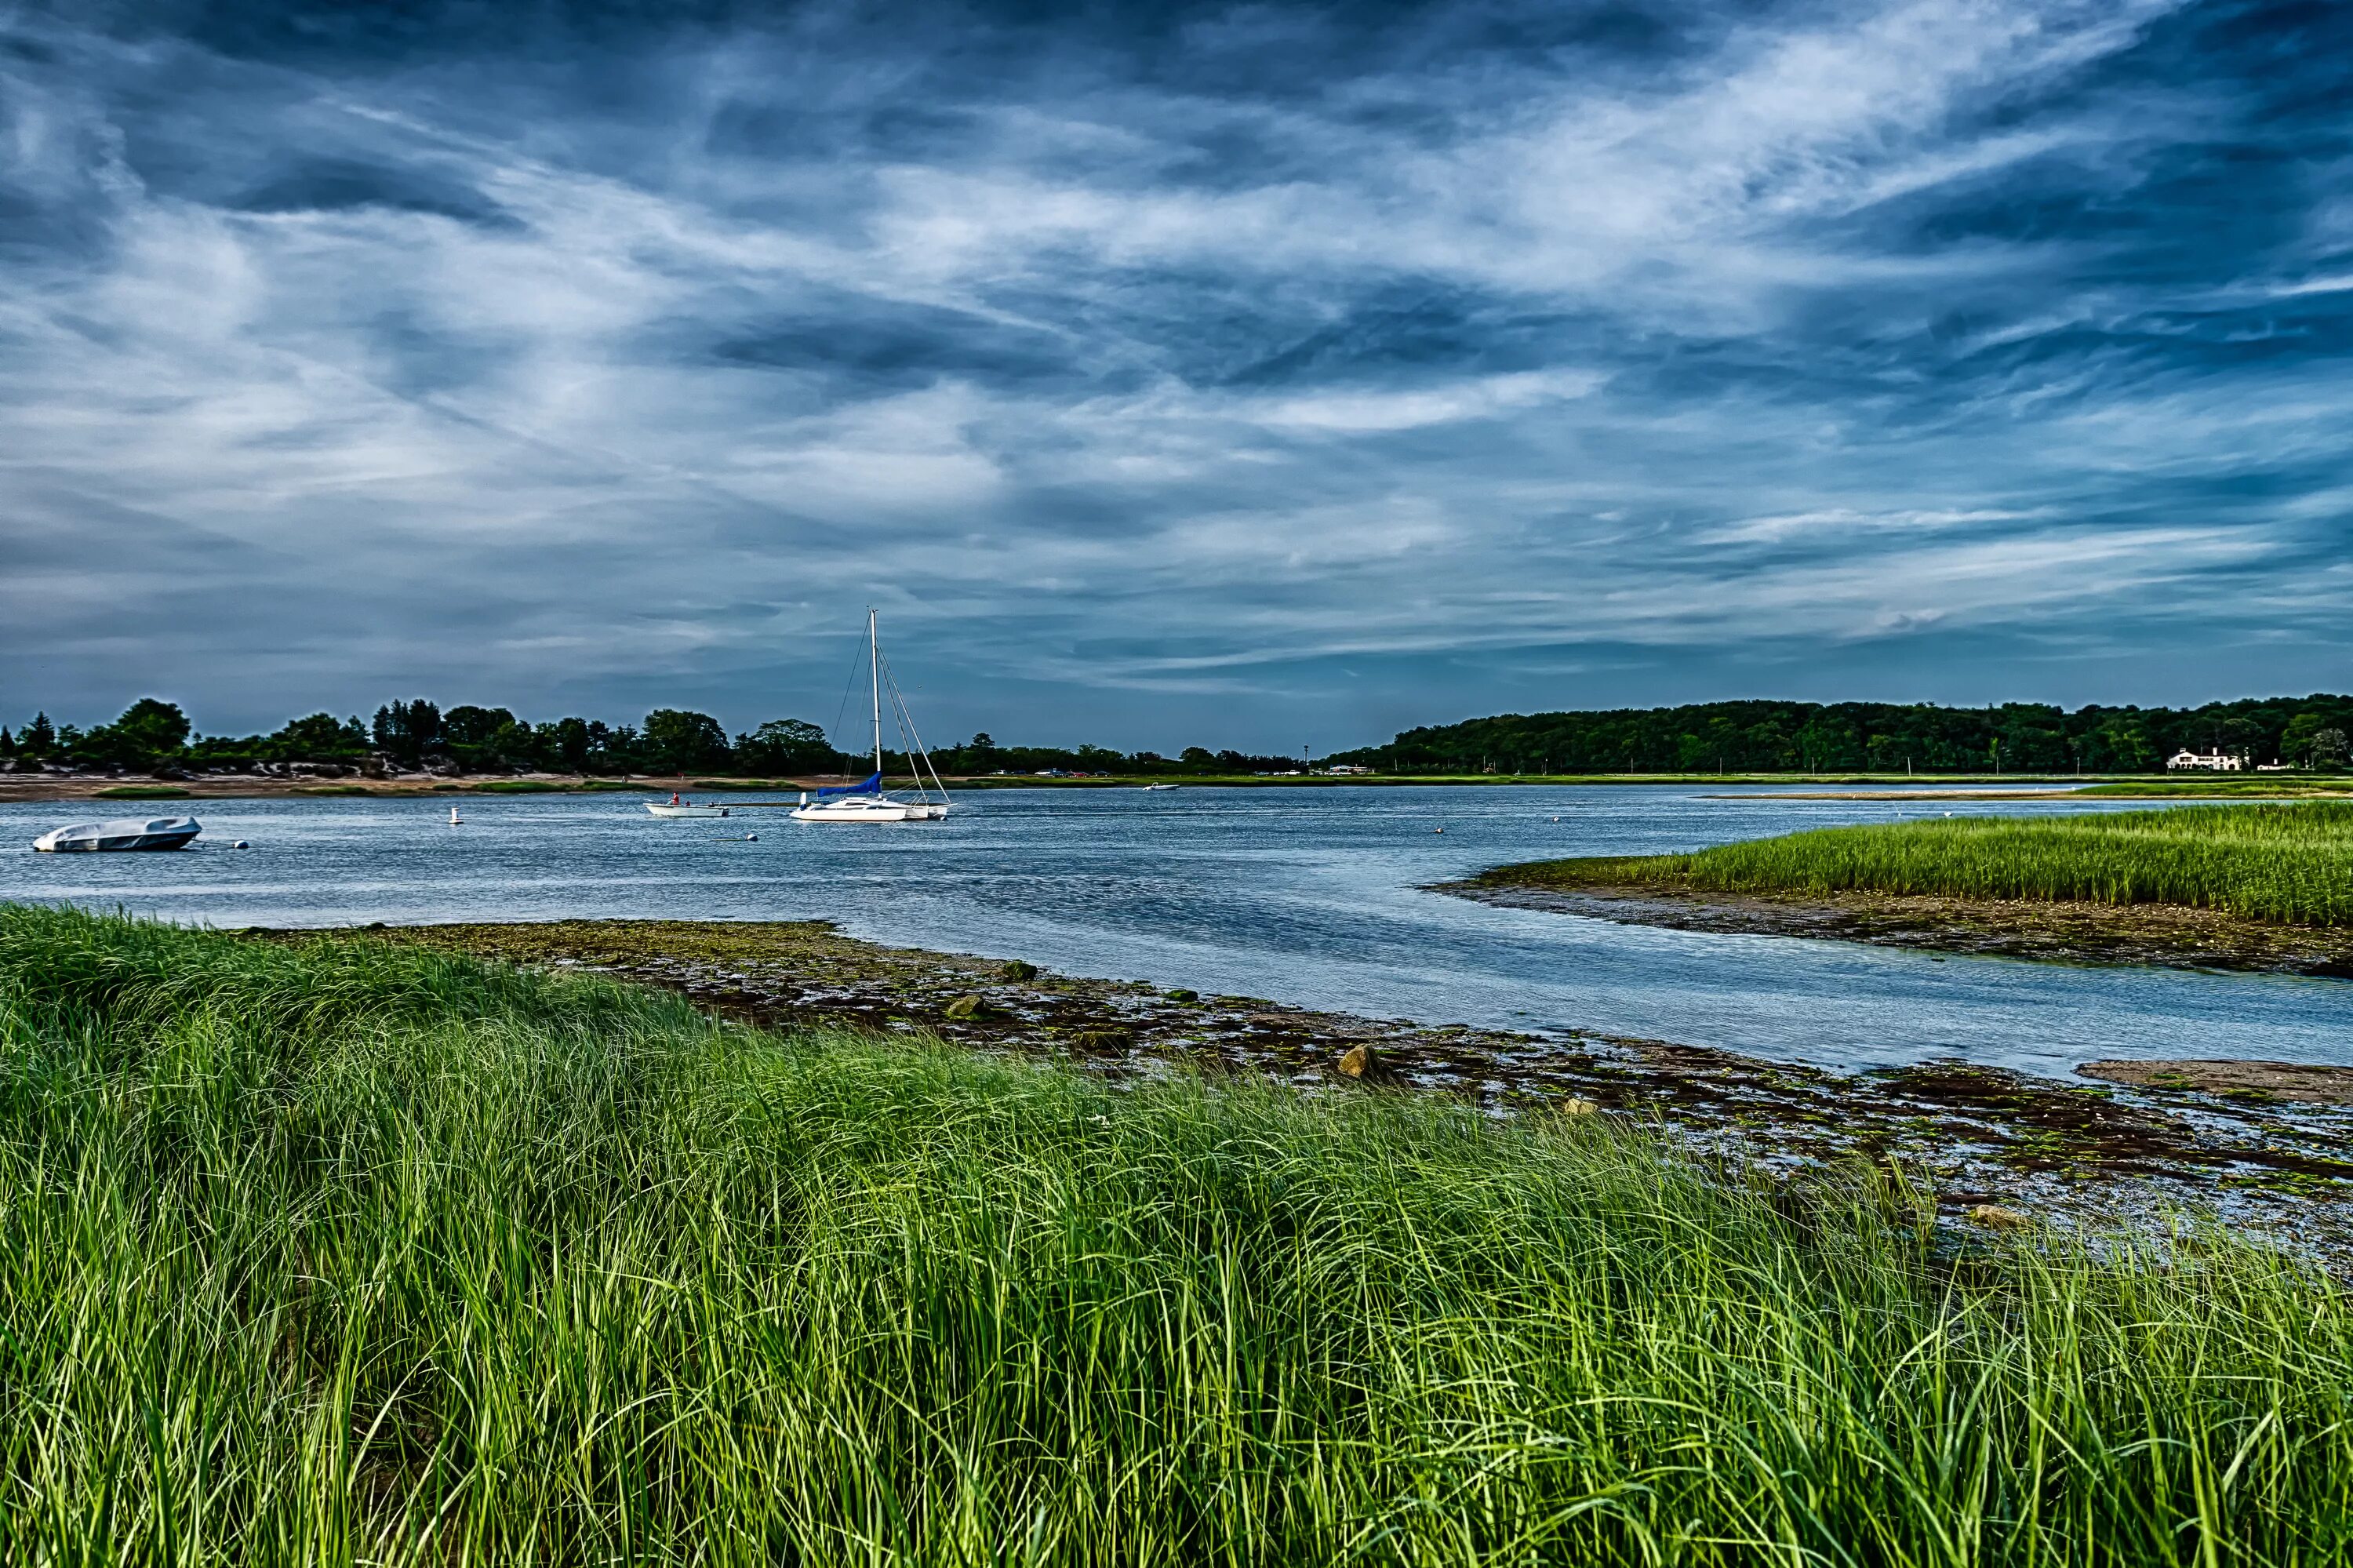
(2257,887)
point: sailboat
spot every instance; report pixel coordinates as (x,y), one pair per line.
(866,800)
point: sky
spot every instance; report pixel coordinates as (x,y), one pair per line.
(1239,374)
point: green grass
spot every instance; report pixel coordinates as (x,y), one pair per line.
(2215,786)
(344,1251)
(142,792)
(2288,863)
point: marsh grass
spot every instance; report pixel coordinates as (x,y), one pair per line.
(348,1251)
(2289,863)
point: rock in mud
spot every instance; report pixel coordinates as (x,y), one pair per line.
(966,1006)
(1994,1217)
(1018,970)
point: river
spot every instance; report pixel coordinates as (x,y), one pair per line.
(1305,895)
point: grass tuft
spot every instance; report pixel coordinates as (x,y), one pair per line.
(2286,864)
(335,1249)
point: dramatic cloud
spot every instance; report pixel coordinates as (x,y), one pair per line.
(1248,374)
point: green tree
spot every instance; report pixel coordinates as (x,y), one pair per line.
(40,737)
(466,724)
(149,732)
(319,737)
(566,741)
(681,741)
(406,731)
(784,746)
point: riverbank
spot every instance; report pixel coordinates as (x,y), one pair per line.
(408,1256)
(2073,1153)
(2267,887)
(31,786)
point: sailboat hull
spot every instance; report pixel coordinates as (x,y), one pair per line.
(870,808)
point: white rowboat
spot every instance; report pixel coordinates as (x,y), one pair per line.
(684,809)
(125,833)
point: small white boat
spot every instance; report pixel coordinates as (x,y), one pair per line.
(125,833)
(1149,787)
(865,801)
(676,807)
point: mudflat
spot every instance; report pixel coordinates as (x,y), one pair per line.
(2065,930)
(2065,1152)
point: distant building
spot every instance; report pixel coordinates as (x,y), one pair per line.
(2204,761)
(1345,769)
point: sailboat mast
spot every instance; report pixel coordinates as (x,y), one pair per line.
(874,669)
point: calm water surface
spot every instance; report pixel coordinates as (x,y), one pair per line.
(1308,895)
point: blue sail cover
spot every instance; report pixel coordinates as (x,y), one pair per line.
(871,786)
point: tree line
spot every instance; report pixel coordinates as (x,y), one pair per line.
(416,734)
(1876,737)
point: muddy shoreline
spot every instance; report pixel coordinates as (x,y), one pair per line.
(2163,936)
(2070,1153)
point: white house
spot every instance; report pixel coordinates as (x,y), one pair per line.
(2209,761)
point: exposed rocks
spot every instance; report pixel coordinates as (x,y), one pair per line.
(2304,1082)
(1994,1217)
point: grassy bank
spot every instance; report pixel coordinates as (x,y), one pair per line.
(2223,787)
(2290,863)
(346,1250)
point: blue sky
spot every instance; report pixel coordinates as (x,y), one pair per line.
(1253,375)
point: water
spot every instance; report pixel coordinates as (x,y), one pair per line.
(1304,896)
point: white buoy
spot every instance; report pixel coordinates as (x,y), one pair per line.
(751,838)
(455,820)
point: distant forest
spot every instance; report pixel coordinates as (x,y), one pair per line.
(1875,737)
(417,736)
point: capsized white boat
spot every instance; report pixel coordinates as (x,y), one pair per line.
(123,833)
(867,801)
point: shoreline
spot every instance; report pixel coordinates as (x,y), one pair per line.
(2260,1145)
(37,787)
(2160,936)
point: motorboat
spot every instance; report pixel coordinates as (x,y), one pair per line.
(123,833)
(677,807)
(867,801)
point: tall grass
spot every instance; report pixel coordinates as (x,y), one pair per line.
(352,1253)
(2291,864)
